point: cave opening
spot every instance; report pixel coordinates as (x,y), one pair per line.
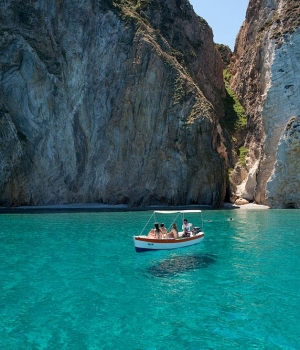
(289,205)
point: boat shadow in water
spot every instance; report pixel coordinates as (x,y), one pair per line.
(178,264)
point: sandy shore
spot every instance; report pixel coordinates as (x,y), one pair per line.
(96,207)
(245,206)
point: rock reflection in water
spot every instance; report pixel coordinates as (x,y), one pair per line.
(178,264)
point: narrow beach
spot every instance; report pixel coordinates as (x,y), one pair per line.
(96,207)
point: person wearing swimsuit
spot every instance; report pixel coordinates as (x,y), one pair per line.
(174,232)
(155,233)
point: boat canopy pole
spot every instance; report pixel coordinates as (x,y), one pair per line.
(178,212)
(177,216)
(174,220)
(147,223)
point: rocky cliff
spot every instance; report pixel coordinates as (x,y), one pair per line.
(109,101)
(266,72)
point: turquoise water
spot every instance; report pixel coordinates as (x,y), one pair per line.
(74,281)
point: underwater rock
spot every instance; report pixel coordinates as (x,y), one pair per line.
(179,264)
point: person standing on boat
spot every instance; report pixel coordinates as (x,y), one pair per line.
(174,232)
(155,232)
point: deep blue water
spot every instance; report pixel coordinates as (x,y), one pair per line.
(74,281)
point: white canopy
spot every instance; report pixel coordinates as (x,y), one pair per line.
(176,211)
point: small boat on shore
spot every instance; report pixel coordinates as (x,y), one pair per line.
(144,243)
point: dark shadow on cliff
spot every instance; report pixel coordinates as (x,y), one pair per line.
(231,117)
(234,120)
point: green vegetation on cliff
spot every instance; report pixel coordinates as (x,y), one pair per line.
(243,152)
(235,117)
(225,53)
(134,5)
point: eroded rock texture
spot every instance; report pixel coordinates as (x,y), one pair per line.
(283,186)
(266,71)
(108,103)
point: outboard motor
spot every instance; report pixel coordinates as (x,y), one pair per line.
(196,230)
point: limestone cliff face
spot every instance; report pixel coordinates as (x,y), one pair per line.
(266,70)
(115,103)
(283,185)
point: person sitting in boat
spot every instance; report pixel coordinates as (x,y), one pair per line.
(186,233)
(186,228)
(174,232)
(155,232)
(163,231)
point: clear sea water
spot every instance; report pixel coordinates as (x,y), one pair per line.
(74,281)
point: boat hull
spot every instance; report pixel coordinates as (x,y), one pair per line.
(143,243)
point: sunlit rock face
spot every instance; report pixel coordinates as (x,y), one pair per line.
(266,71)
(283,186)
(108,103)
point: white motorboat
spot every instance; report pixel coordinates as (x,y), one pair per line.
(144,243)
